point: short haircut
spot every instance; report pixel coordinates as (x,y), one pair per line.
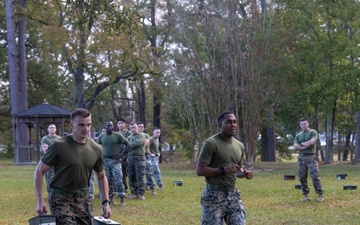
(133,123)
(122,120)
(222,116)
(156,128)
(51,124)
(140,123)
(303,119)
(79,112)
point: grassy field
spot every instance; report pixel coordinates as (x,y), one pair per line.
(268,198)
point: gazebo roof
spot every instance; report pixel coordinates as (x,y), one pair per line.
(44,110)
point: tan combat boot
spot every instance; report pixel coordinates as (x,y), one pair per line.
(153,192)
(122,201)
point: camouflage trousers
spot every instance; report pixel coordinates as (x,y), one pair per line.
(114,173)
(91,185)
(136,173)
(220,207)
(156,170)
(149,173)
(112,189)
(72,210)
(48,175)
(309,163)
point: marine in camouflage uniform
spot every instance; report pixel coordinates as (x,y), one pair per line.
(111,142)
(91,186)
(46,141)
(149,183)
(154,156)
(305,142)
(74,157)
(220,162)
(136,163)
(126,133)
(74,208)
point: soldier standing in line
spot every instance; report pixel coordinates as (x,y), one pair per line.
(126,133)
(136,163)
(111,142)
(148,172)
(154,156)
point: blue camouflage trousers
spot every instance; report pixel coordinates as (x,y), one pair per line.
(220,207)
(136,172)
(114,172)
(156,170)
(72,210)
(309,163)
(149,173)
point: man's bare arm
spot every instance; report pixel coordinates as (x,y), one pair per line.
(40,170)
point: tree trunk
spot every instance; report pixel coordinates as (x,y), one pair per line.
(357,138)
(22,58)
(268,145)
(347,147)
(328,147)
(13,72)
(24,130)
(142,102)
(264,144)
(12,57)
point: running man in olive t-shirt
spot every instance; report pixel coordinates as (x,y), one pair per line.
(74,158)
(220,162)
(45,142)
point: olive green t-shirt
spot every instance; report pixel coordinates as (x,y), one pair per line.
(111,143)
(218,151)
(73,163)
(137,143)
(154,145)
(126,134)
(147,148)
(304,136)
(48,140)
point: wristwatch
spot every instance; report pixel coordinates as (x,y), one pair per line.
(222,170)
(105,201)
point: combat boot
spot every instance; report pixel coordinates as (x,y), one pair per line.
(122,201)
(153,192)
(141,197)
(306,198)
(131,196)
(112,200)
(320,198)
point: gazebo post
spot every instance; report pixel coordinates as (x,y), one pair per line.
(37,147)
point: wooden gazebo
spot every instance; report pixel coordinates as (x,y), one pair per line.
(38,118)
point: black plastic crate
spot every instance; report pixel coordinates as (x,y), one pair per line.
(43,220)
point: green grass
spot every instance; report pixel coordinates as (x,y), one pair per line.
(268,198)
